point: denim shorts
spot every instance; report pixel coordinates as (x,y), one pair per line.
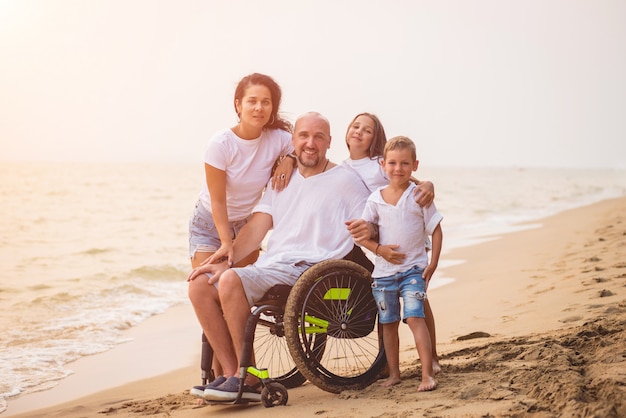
(408,285)
(203,236)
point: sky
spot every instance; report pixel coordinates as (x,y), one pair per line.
(533,83)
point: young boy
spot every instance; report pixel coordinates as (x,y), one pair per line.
(405,272)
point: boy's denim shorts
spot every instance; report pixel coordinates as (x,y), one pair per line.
(408,285)
(203,236)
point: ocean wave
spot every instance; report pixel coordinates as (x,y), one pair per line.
(63,327)
(160,272)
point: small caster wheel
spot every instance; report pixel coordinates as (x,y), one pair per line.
(274,394)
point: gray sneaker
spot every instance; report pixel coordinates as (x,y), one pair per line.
(228,391)
(199,390)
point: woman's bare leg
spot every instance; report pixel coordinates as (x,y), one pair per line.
(198,259)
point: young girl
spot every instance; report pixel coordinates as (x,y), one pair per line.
(238,163)
(366,140)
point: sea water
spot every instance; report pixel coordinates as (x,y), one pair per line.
(90,250)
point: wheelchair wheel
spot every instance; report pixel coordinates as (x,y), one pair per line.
(333,300)
(271,350)
(274,394)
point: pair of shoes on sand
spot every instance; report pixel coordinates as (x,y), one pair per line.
(199,390)
(225,389)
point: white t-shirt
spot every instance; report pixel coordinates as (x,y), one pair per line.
(248,166)
(309,214)
(371,171)
(405,224)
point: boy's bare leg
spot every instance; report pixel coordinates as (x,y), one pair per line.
(424,349)
(392,351)
(430,323)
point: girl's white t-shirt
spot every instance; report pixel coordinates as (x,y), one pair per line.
(370,171)
(248,166)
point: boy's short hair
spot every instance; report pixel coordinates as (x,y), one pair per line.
(400,143)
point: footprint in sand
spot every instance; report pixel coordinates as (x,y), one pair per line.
(472,335)
(570,319)
(544,290)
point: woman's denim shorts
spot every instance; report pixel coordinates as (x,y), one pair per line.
(203,236)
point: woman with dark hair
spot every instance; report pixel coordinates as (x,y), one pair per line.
(238,163)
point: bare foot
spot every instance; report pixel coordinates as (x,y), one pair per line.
(390,381)
(428,383)
(436,367)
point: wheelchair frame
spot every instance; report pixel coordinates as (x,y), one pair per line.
(327,321)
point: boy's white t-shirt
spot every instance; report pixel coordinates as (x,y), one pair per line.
(248,166)
(405,224)
(309,217)
(372,173)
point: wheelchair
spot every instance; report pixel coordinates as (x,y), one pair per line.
(323,330)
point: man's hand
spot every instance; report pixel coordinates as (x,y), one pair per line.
(359,229)
(212,271)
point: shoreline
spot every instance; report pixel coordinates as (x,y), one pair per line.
(524,289)
(132,361)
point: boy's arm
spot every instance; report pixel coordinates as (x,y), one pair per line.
(437,239)
(388,251)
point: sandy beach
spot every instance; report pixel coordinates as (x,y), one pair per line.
(533,325)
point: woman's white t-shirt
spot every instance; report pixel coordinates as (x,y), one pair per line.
(248,166)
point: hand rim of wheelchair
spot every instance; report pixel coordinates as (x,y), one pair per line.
(271,349)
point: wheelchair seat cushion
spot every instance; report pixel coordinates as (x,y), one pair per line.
(276,295)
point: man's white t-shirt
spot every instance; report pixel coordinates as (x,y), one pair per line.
(248,166)
(309,217)
(405,224)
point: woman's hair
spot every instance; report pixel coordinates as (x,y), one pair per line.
(276,121)
(378,141)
